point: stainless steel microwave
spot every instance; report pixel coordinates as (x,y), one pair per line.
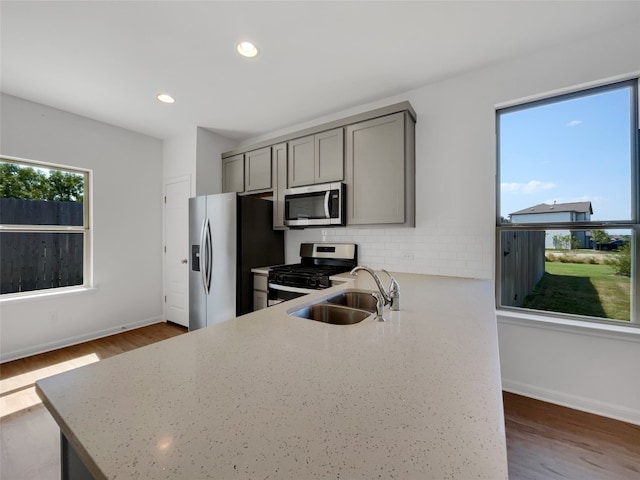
(315,205)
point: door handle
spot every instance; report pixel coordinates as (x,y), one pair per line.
(203,256)
(326,204)
(209,256)
(184,261)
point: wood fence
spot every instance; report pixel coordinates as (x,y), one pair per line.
(39,260)
(522,264)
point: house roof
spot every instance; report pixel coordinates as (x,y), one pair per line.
(579,207)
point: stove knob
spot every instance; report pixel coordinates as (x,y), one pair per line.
(313,282)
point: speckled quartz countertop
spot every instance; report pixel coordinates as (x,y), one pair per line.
(272,396)
(261,270)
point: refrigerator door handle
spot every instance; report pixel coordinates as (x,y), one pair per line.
(209,260)
(203,255)
(203,274)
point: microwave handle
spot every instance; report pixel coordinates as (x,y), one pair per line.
(327,195)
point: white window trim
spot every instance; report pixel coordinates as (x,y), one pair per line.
(47,294)
(615,331)
(521,316)
(86,229)
(567,90)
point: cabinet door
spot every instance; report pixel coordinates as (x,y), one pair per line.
(301,164)
(257,170)
(375,171)
(260,282)
(329,156)
(259,300)
(279,184)
(233,174)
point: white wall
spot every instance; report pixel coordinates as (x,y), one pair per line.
(196,154)
(455,219)
(592,369)
(179,157)
(210,147)
(127,228)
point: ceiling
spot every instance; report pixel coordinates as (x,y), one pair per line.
(108,60)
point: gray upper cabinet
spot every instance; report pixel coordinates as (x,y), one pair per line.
(301,169)
(279,181)
(316,158)
(380,171)
(257,170)
(372,152)
(233,174)
(329,154)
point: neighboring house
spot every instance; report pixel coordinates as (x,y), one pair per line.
(558,213)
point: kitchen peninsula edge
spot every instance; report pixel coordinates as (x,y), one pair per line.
(268,395)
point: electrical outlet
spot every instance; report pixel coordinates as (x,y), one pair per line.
(407,256)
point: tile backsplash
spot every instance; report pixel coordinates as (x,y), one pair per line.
(448,251)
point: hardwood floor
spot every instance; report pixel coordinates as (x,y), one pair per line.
(548,442)
(29,438)
(544,441)
(103,347)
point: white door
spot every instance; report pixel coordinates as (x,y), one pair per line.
(176,257)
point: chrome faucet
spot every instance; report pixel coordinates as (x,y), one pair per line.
(379,306)
(394,292)
(392,297)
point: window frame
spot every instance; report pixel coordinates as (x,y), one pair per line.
(85,230)
(633,224)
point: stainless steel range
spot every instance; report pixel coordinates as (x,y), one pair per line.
(318,262)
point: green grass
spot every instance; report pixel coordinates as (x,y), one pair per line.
(582,289)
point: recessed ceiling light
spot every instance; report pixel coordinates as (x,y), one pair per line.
(247,49)
(165,98)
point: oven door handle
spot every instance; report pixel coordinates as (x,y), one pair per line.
(275,286)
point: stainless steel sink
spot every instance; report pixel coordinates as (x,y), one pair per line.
(334,314)
(359,299)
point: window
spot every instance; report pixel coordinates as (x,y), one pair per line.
(44,227)
(567,209)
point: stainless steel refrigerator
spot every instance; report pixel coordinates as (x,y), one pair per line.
(228,236)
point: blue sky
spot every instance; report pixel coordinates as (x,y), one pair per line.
(571,151)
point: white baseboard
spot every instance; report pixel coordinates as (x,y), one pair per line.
(67,342)
(596,407)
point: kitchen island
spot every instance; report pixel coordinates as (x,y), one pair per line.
(269,395)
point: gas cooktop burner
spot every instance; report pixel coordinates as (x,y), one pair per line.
(303,269)
(319,261)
